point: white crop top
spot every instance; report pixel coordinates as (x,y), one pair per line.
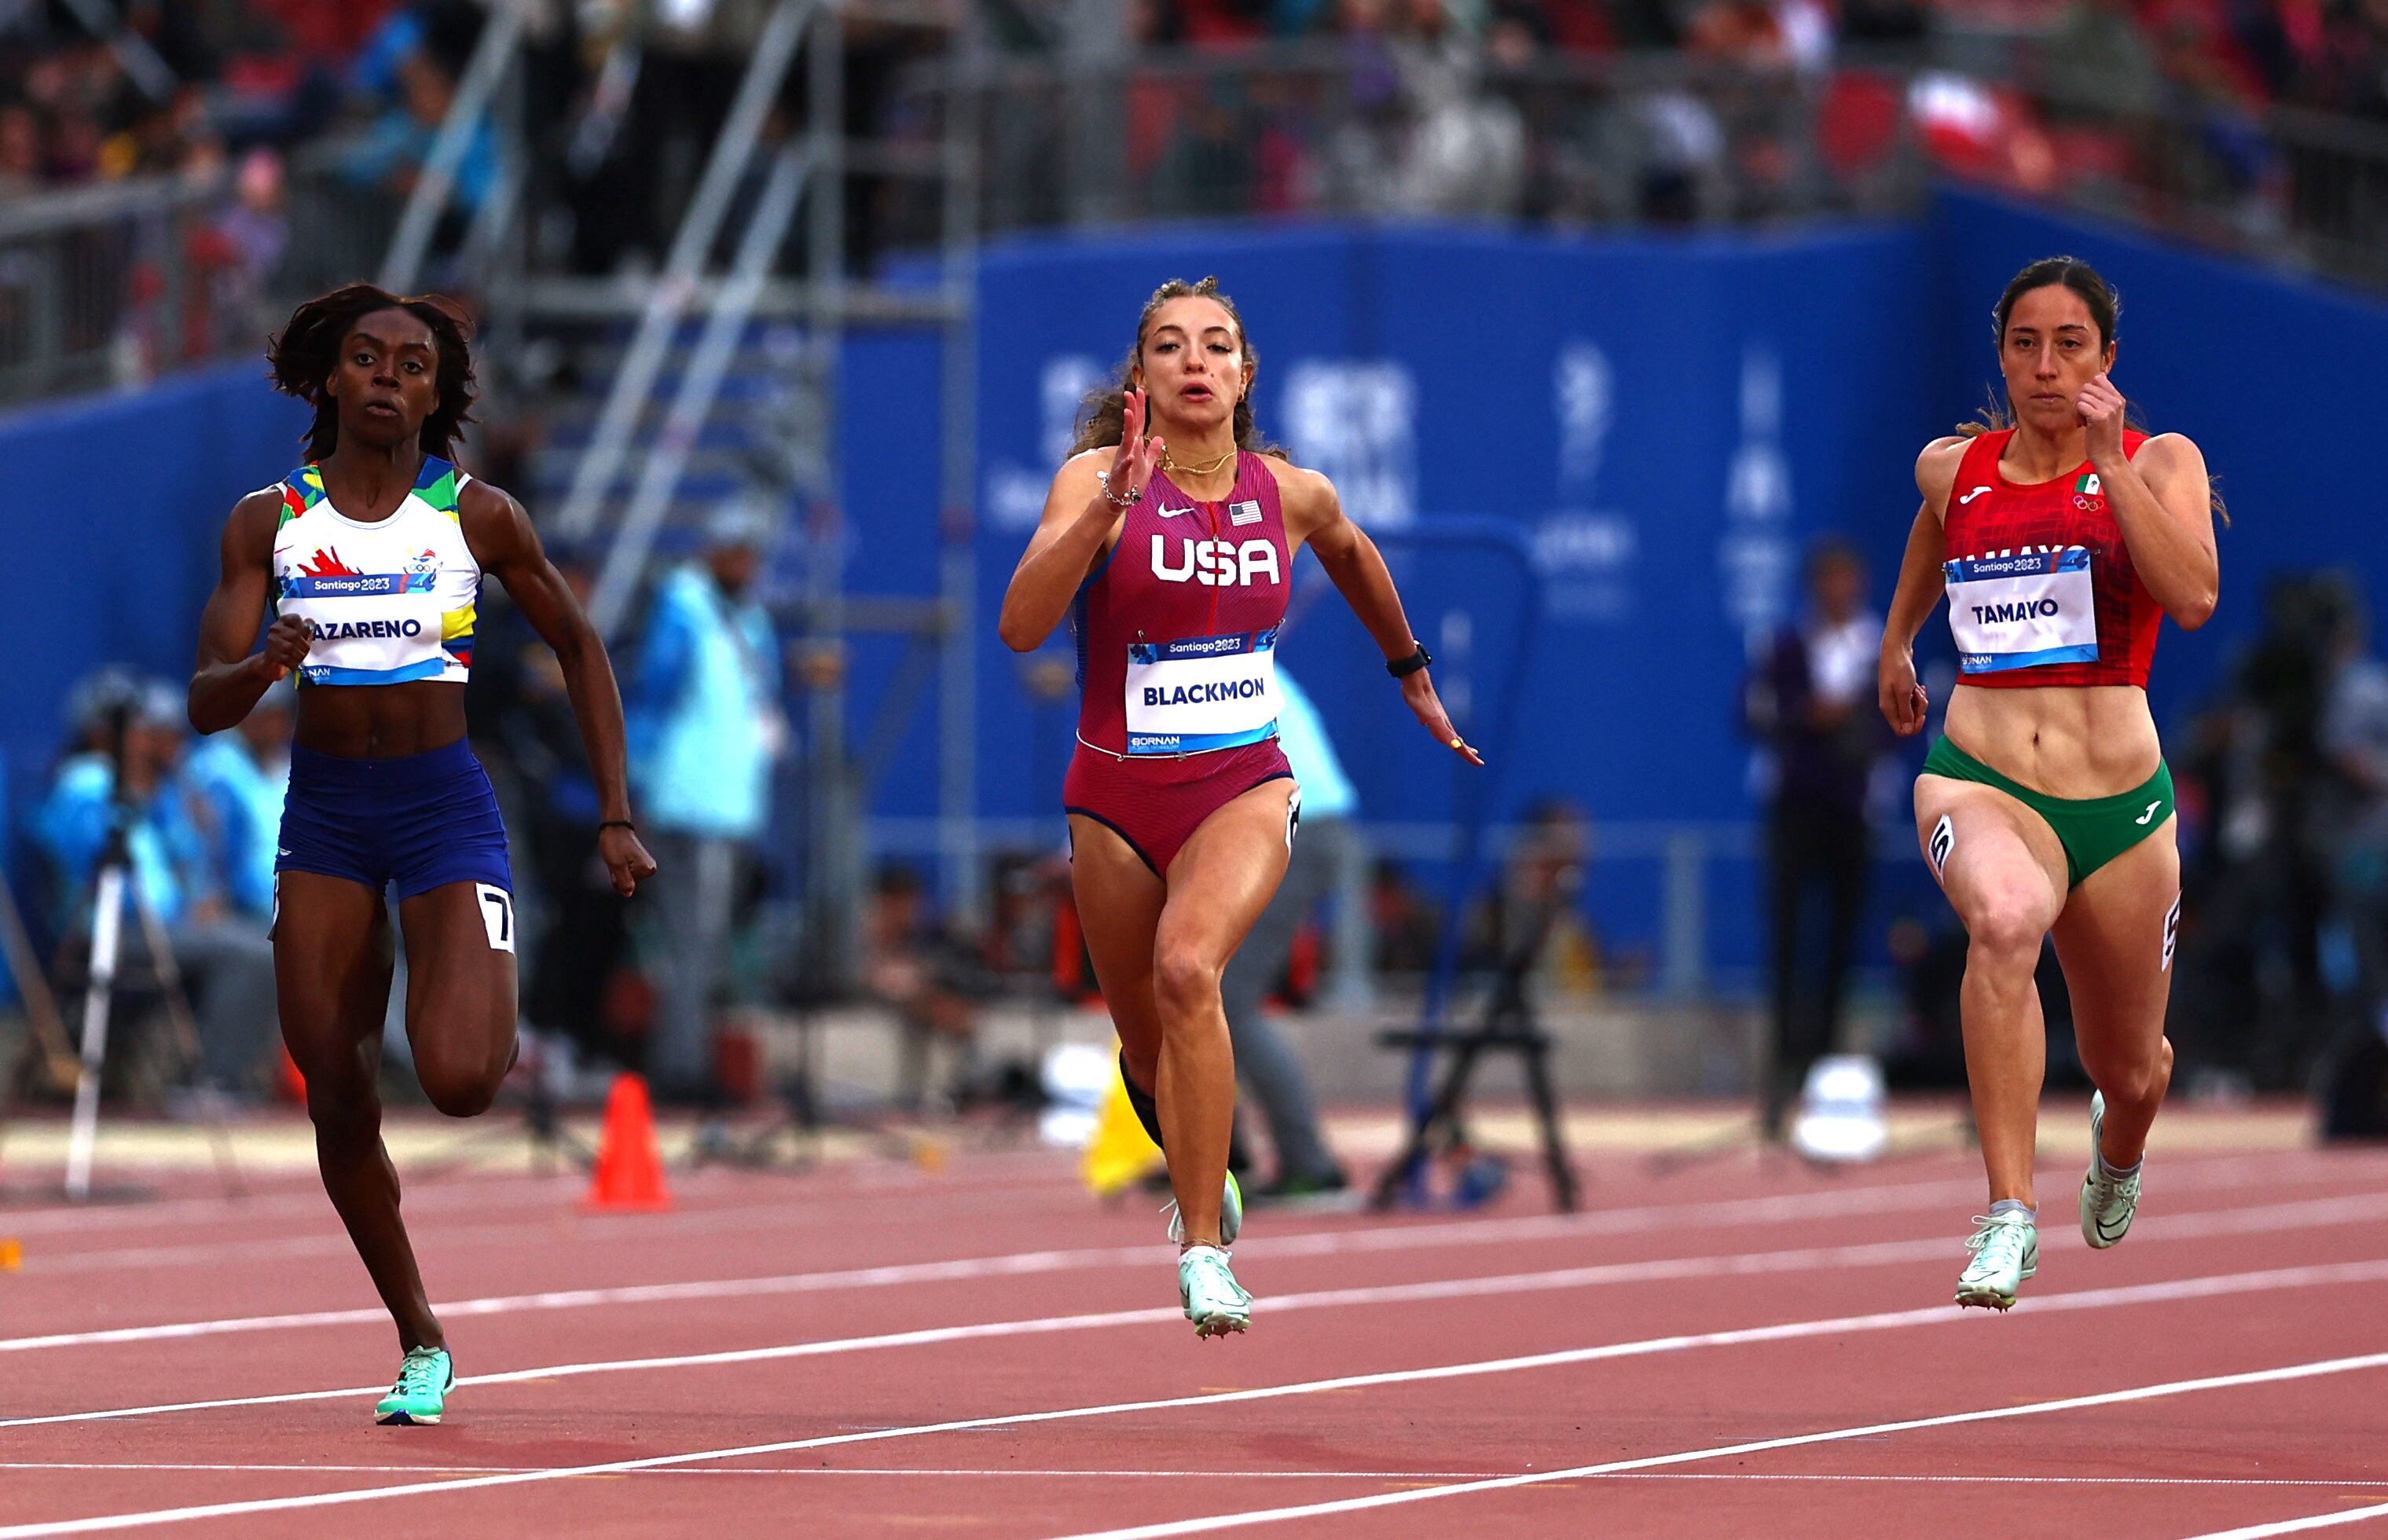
(387,602)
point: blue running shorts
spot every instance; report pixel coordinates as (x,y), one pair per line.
(420,822)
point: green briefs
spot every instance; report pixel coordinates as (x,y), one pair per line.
(2093,830)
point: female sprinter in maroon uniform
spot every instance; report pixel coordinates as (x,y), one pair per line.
(2062,542)
(370,557)
(1172,553)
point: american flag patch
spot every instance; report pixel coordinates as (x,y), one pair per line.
(1244,513)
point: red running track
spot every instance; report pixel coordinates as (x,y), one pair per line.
(871,1350)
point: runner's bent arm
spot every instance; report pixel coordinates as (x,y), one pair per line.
(228,678)
(502,540)
(1314,516)
(1079,519)
(2163,502)
(1070,538)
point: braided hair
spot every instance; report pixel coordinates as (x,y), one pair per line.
(303,354)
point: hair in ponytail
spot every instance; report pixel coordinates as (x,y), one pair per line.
(1102,419)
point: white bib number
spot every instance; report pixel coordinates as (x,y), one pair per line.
(2022,610)
(1201,693)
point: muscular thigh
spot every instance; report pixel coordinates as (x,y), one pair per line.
(460,964)
(1119,902)
(332,960)
(1994,856)
(2115,940)
(1227,873)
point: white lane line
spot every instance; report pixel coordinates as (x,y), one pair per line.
(2090,1299)
(239,1468)
(1727,1213)
(557,1221)
(1744,1263)
(1098,1473)
(2298,1526)
(431,1193)
(1834,1435)
(479,1192)
(554,1214)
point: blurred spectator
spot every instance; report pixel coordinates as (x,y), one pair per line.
(241,777)
(1531,926)
(1466,152)
(1810,701)
(1265,1062)
(225,959)
(392,153)
(2249,1001)
(2099,66)
(1883,24)
(2350,72)
(708,727)
(2353,1074)
(255,229)
(1402,920)
(2355,735)
(913,967)
(20,149)
(576,928)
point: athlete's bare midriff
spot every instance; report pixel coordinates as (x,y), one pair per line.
(380,722)
(2072,742)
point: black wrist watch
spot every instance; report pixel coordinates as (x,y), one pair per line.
(1403,667)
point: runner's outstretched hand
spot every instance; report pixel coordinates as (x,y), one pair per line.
(1419,690)
(1138,456)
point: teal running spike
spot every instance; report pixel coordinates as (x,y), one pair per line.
(421,1393)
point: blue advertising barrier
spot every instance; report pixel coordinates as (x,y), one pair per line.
(1666,421)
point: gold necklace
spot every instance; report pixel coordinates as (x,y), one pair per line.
(1173,466)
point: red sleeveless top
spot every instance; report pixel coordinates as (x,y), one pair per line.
(1176,627)
(2041,589)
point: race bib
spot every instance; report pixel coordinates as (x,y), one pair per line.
(2022,610)
(1201,693)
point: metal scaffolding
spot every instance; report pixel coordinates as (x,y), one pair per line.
(775,192)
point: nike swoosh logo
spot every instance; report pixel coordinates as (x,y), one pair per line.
(1970,496)
(2151,812)
(1173,513)
(281,852)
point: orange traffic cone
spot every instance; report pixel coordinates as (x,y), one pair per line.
(629,1167)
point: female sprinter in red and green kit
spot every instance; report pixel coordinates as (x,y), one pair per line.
(2062,539)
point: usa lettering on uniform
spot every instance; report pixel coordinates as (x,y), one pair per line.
(1216,563)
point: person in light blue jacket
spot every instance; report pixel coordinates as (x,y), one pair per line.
(223,957)
(704,733)
(1265,1062)
(241,778)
